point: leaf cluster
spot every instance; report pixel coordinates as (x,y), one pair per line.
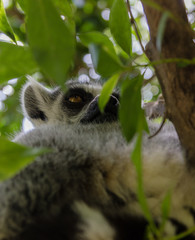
(50,37)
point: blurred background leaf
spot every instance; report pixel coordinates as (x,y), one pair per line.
(15,156)
(16,61)
(161,30)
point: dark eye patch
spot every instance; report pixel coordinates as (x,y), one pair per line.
(73,108)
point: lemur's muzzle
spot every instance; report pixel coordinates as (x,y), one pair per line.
(110,114)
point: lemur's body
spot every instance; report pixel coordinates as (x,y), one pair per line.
(86,187)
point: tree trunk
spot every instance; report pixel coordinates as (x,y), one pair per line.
(177,83)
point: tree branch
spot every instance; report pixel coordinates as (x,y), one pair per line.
(177,82)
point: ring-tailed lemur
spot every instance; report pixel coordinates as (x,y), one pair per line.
(86,187)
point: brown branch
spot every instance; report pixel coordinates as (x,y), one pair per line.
(161,126)
(177,82)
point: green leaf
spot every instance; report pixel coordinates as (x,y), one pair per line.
(51,40)
(136,158)
(166,204)
(130,111)
(182,62)
(4,24)
(99,39)
(64,7)
(96,37)
(23,4)
(183,234)
(120,25)
(104,64)
(15,156)
(67,10)
(137,161)
(16,61)
(136,155)
(161,30)
(143,125)
(104,57)
(107,90)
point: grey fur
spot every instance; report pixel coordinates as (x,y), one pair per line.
(90,163)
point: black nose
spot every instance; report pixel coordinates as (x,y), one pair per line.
(110,113)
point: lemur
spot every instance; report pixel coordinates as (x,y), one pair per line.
(85,187)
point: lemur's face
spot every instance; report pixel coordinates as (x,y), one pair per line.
(78,105)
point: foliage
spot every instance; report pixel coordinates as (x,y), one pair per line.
(51,40)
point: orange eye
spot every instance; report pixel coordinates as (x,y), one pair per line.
(75,99)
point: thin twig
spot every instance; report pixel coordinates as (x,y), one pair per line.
(135,26)
(161,126)
(146,81)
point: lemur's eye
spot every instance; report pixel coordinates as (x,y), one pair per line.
(75,99)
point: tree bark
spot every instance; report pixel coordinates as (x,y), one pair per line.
(177,83)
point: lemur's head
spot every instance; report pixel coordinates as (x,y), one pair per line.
(78,105)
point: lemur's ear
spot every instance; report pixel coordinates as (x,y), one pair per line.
(36,100)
